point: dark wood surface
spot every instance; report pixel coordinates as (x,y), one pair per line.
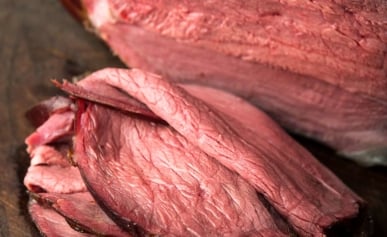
(40,41)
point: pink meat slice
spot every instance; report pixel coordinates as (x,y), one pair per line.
(48,155)
(84,212)
(38,114)
(51,171)
(282,178)
(54,178)
(57,126)
(149,174)
(50,223)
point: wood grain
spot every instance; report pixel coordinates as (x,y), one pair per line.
(39,41)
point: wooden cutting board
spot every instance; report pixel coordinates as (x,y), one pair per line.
(40,41)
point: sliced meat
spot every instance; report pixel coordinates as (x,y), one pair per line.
(56,179)
(83,212)
(48,155)
(52,180)
(266,135)
(38,114)
(50,223)
(107,95)
(301,189)
(317,67)
(51,169)
(149,174)
(58,126)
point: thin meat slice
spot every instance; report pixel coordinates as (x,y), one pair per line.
(83,212)
(51,170)
(57,126)
(50,223)
(54,178)
(149,174)
(281,178)
(107,95)
(48,155)
(38,114)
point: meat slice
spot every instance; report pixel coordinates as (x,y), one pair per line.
(38,114)
(58,126)
(57,179)
(317,67)
(48,155)
(151,175)
(50,223)
(266,135)
(302,190)
(83,212)
(101,93)
(50,170)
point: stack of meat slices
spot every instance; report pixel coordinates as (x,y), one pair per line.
(132,154)
(60,198)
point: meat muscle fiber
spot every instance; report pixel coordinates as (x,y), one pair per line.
(113,149)
(318,67)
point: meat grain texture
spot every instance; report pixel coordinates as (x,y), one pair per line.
(318,68)
(178,160)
